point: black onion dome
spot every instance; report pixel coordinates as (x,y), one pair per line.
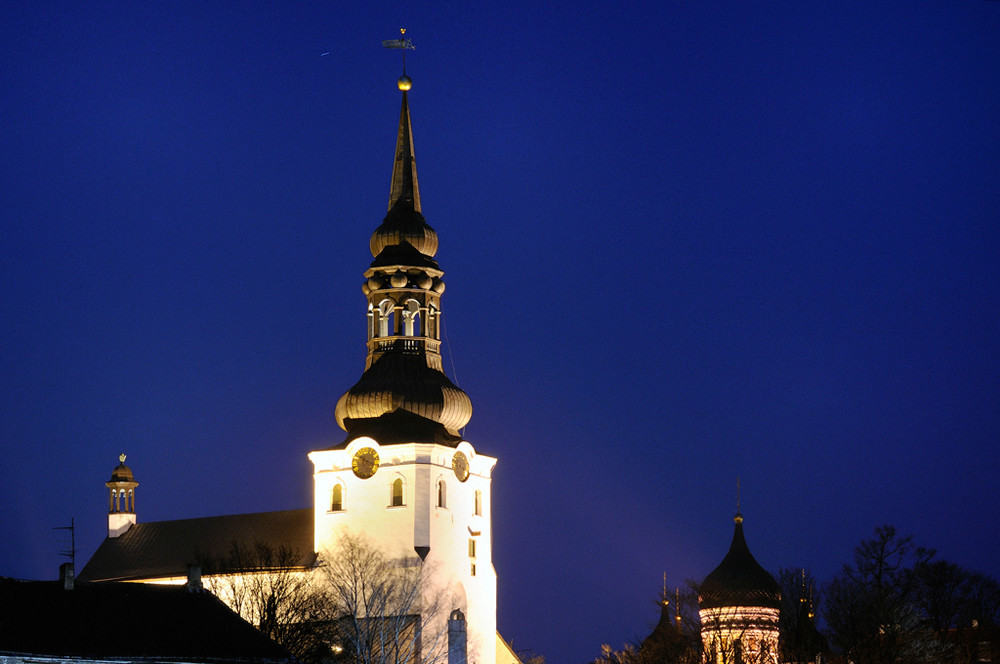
(739,580)
(404,224)
(403,381)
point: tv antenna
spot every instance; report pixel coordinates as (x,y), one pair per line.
(71,553)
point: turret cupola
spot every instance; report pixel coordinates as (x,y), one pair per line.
(121,498)
(404,394)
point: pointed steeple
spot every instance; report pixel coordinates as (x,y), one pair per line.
(404,170)
(403,394)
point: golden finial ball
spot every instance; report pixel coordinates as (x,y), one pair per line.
(404,83)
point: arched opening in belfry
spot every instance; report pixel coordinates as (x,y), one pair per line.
(385,327)
(371,321)
(411,318)
(432,323)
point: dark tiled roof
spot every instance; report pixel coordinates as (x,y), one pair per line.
(739,580)
(126,620)
(166,548)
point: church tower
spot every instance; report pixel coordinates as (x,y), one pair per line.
(739,605)
(403,477)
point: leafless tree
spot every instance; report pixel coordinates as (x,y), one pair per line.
(386,612)
(269,589)
(871,608)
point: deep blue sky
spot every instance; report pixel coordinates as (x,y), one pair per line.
(682,242)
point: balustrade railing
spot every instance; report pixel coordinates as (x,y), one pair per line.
(403,344)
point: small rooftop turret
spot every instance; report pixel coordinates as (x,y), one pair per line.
(121,498)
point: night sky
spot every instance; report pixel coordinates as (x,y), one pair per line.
(683,243)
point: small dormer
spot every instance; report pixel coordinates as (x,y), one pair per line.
(121,498)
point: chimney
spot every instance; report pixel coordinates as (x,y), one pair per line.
(66,576)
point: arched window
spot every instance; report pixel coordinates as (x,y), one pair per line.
(442,494)
(385,327)
(337,501)
(478,506)
(397,493)
(411,318)
(371,321)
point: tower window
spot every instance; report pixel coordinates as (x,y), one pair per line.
(442,494)
(397,493)
(337,501)
(472,548)
(478,506)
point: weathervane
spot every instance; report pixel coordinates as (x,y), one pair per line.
(404,83)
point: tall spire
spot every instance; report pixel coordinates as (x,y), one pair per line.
(403,394)
(404,170)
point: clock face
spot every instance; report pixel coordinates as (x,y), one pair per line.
(460,464)
(365,462)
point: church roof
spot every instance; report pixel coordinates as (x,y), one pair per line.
(160,549)
(132,621)
(739,580)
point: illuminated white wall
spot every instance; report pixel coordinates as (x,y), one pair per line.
(754,628)
(420,522)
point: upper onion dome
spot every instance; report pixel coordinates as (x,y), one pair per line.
(739,580)
(404,224)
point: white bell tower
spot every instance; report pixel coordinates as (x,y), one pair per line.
(404,477)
